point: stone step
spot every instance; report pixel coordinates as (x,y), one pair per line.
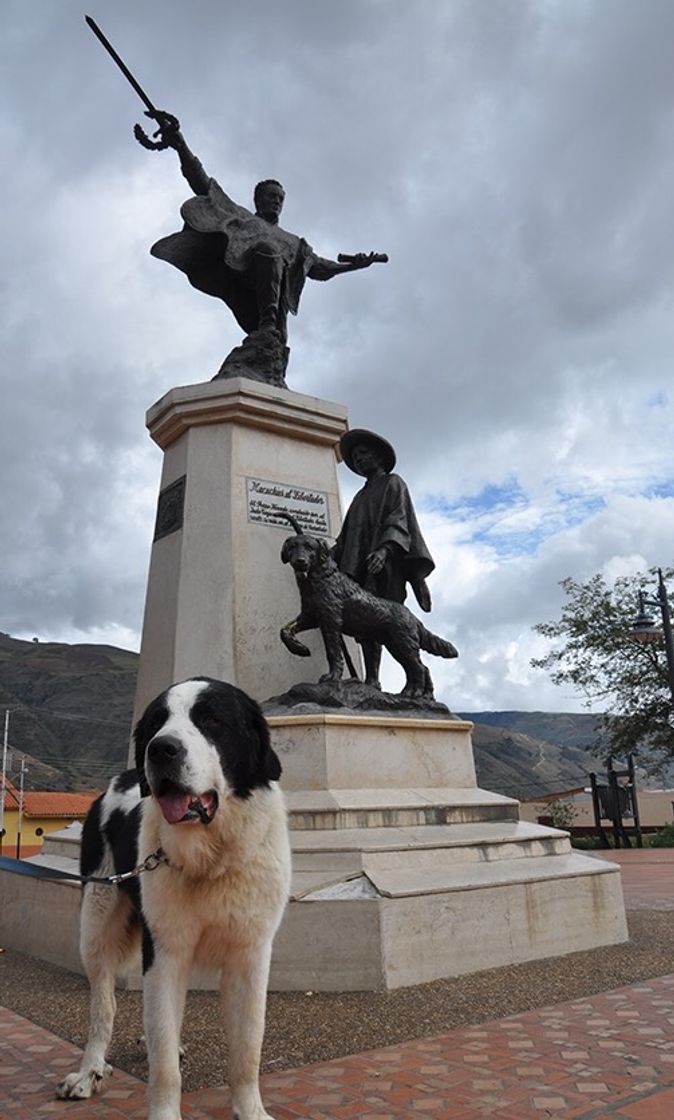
(59,862)
(403,882)
(387,808)
(409,927)
(423,846)
(65,842)
(410,880)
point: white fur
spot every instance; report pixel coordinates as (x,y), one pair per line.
(217,904)
(118,799)
(202,768)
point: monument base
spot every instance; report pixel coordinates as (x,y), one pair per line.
(404,871)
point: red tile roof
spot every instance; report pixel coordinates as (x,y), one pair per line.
(57,804)
(49,803)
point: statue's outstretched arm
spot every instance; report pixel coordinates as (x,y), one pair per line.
(172,137)
(325,269)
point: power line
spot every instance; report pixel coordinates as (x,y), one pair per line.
(75,716)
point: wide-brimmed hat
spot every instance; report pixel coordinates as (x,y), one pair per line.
(356,438)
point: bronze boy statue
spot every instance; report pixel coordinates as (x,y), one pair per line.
(380,543)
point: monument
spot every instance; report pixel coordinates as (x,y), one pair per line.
(404,870)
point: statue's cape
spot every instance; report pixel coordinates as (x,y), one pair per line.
(382,513)
(216,247)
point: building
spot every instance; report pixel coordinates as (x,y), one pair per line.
(43,811)
(656,808)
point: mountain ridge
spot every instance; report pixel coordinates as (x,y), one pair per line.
(71,711)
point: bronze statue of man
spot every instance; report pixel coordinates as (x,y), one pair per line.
(380,544)
(246,259)
(243,258)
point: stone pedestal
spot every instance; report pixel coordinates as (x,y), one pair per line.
(217,596)
(404,871)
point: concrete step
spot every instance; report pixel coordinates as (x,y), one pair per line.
(65,842)
(410,879)
(423,846)
(402,808)
(403,882)
(59,862)
(388,929)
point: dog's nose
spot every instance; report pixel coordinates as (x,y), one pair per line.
(165,748)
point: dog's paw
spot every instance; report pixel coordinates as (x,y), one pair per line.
(247,1105)
(295,646)
(83,1084)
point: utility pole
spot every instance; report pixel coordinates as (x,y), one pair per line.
(5,742)
(20,823)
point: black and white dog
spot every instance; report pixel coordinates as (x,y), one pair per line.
(205,802)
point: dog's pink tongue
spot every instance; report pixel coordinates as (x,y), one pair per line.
(174,806)
(208,802)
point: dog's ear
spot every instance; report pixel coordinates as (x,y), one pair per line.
(147,727)
(323,549)
(268,764)
(140,740)
(259,765)
(285,551)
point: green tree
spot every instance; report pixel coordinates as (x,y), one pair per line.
(594,652)
(562,813)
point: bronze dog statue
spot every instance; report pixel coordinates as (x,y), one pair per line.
(336,605)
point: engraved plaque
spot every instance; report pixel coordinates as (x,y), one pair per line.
(170,506)
(267,500)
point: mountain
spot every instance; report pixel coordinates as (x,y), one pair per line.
(71,708)
(564,729)
(523,765)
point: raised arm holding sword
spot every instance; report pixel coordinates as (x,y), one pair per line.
(242,257)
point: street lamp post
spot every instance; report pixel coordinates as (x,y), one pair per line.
(644,628)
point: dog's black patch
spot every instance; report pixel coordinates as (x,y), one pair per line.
(153,719)
(125,781)
(121,832)
(147,947)
(234,724)
(91,848)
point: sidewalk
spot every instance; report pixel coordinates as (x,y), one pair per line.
(647,876)
(591,1059)
(607,1056)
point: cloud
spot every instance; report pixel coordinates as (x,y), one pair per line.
(516,349)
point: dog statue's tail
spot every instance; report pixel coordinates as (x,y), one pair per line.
(431,643)
(293,521)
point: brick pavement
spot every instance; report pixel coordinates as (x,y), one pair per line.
(611,1055)
(647,876)
(607,1057)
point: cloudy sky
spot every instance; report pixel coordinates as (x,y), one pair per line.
(514,158)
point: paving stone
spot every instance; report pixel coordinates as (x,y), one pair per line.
(551,1062)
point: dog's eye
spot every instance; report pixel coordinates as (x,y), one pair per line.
(208,721)
(151,724)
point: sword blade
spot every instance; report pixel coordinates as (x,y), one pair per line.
(125,70)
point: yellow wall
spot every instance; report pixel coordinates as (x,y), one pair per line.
(30,838)
(655,808)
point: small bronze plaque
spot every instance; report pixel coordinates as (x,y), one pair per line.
(268,501)
(170,506)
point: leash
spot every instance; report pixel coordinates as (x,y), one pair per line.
(37,871)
